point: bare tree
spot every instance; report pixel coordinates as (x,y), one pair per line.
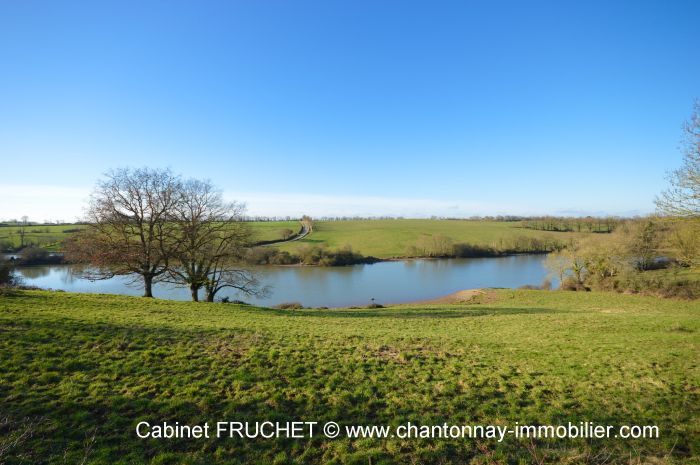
(210,238)
(22,231)
(683,197)
(129,226)
(643,244)
(287,233)
(308,223)
(245,281)
(685,239)
(557,264)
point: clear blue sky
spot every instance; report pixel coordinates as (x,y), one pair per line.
(354,107)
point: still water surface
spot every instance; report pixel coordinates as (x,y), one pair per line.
(386,282)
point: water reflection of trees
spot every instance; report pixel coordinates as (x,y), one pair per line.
(65,273)
(391,281)
(35,272)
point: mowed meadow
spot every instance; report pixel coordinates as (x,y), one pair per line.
(79,371)
(272,230)
(380,238)
(51,237)
(391,238)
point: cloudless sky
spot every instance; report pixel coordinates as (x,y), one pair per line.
(353,107)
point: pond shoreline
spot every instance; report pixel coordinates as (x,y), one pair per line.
(56,259)
(386,282)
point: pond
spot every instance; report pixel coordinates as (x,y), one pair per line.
(385,282)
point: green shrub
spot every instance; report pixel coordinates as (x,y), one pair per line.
(7,275)
(38,256)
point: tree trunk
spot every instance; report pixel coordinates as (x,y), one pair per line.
(147,285)
(210,295)
(194,290)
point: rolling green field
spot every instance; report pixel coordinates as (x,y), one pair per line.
(377,238)
(50,237)
(391,238)
(78,372)
(272,230)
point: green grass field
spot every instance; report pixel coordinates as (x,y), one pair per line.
(50,237)
(272,230)
(378,238)
(391,238)
(78,372)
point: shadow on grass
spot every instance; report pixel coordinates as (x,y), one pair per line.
(90,384)
(411,314)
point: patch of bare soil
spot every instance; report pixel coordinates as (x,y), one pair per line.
(467,296)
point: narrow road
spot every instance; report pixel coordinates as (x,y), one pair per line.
(302,234)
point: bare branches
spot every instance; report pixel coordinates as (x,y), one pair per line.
(243,281)
(210,238)
(682,198)
(20,432)
(155,226)
(129,223)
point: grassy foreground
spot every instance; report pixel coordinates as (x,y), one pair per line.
(79,371)
(391,238)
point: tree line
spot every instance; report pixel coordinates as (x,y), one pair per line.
(441,246)
(619,261)
(154,226)
(568,224)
